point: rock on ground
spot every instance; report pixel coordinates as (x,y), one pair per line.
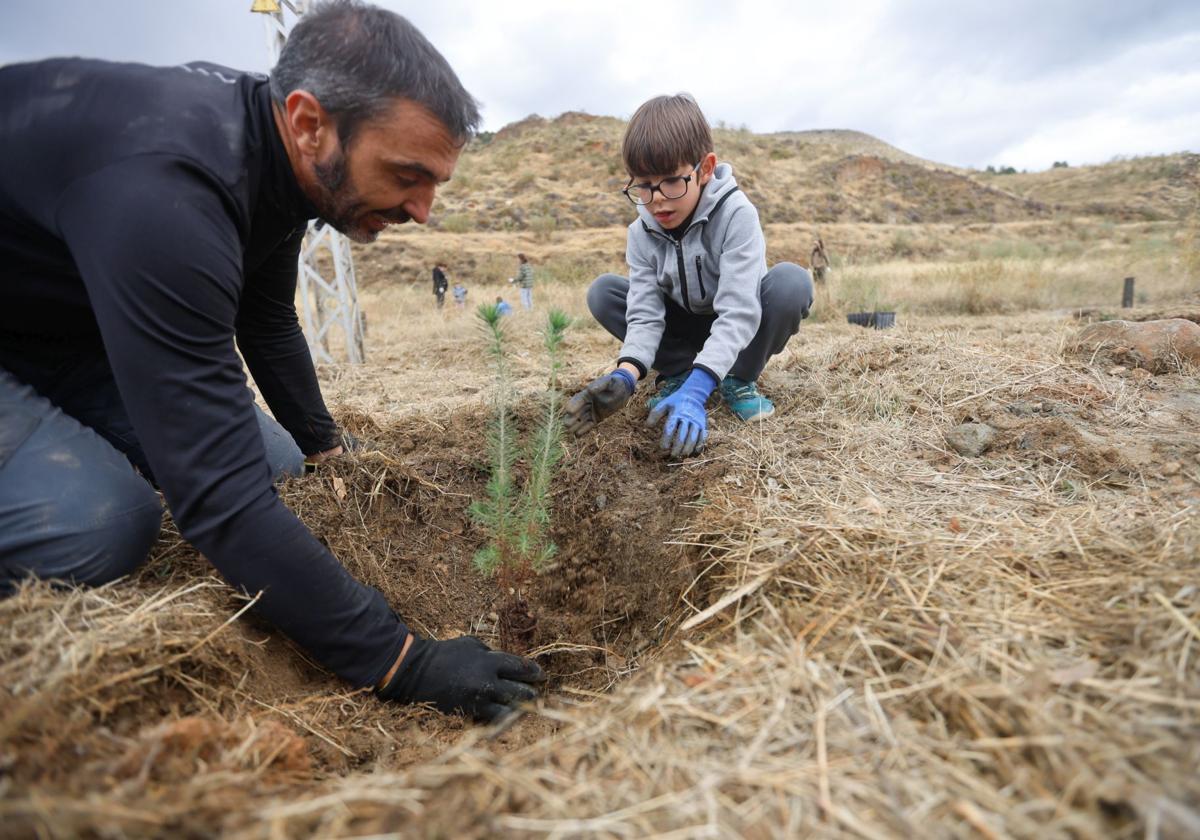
(970,439)
(1157,346)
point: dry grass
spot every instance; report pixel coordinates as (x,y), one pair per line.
(901,642)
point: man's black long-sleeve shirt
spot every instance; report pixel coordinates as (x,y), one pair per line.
(152,214)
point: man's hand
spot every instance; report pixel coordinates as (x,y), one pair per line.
(321,457)
(686,429)
(463,676)
(601,398)
(349,444)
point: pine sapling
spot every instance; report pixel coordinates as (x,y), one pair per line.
(545,451)
(498,510)
(518,519)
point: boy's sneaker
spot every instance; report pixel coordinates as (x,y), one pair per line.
(744,400)
(667,385)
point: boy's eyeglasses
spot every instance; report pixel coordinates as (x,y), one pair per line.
(671,188)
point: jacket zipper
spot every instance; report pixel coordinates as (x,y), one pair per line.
(682,266)
(682,274)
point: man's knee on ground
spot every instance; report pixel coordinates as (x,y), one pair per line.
(91,534)
(124,542)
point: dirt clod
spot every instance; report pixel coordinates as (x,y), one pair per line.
(1157,346)
(970,439)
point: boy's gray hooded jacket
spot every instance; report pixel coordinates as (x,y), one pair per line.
(717,267)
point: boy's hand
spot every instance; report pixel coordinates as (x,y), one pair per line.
(686,429)
(601,398)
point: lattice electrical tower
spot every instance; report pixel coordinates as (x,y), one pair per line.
(330,303)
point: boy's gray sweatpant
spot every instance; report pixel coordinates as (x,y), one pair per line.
(787,298)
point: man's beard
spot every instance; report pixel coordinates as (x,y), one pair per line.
(340,207)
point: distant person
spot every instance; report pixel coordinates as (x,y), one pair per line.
(440,284)
(819,261)
(151,220)
(524,281)
(699,305)
(460,295)
(503,307)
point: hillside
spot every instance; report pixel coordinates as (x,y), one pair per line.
(565,173)
(1146,188)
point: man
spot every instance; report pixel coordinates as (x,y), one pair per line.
(150,218)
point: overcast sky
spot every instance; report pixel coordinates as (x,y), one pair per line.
(971,83)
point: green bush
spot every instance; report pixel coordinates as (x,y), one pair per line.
(543,226)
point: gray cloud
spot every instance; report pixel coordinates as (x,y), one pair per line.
(970,83)
(1030,39)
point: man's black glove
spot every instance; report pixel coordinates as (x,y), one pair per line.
(463,676)
(601,398)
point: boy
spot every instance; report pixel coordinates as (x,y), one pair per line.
(503,307)
(699,306)
(460,295)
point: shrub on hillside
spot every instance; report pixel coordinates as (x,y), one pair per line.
(457,223)
(543,226)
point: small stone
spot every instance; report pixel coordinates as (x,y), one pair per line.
(601,502)
(493,617)
(1171,468)
(1117,371)
(970,439)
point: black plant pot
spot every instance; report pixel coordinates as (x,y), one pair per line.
(878,320)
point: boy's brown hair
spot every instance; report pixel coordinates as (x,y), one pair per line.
(665,133)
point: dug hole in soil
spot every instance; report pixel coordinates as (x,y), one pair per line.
(397,516)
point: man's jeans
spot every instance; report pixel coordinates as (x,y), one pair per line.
(72,505)
(527,298)
(787,297)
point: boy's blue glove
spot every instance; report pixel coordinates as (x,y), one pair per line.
(686,429)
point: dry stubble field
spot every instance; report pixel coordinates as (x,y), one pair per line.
(830,624)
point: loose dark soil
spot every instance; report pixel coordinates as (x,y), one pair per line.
(396,515)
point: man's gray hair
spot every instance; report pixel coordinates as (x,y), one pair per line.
(358,59)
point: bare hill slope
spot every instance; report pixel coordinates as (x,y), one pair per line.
(565,173)
(1145,188)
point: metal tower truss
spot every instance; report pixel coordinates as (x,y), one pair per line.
(330,301)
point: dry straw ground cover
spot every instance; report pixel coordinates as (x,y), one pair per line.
(871,635)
